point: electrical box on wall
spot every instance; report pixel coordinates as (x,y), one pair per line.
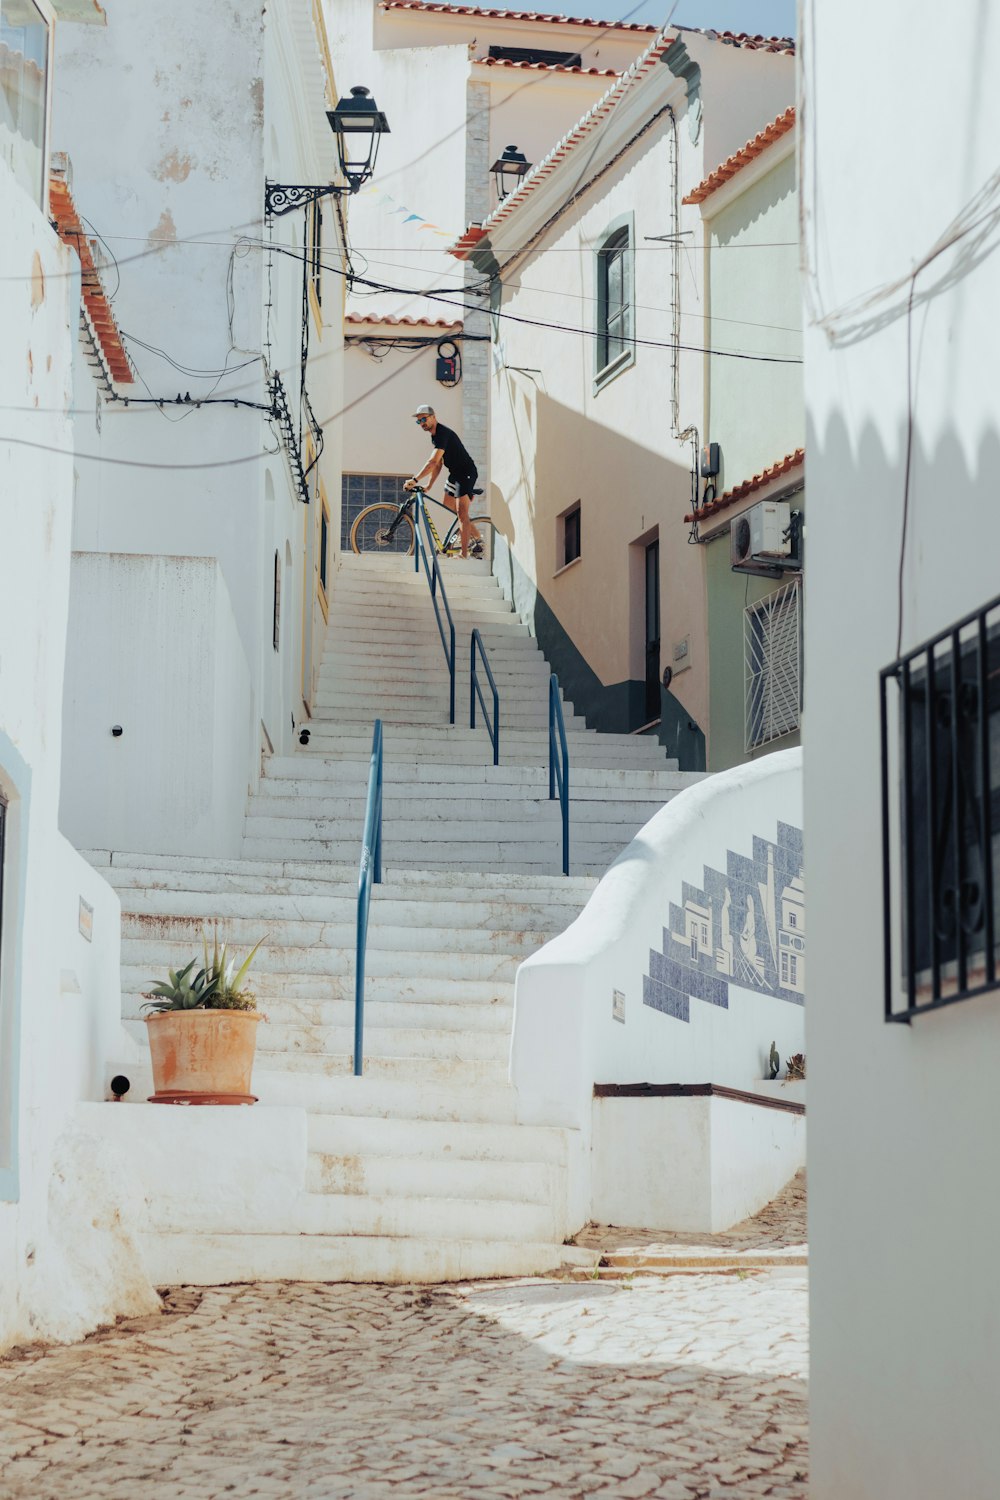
(765,539)
(710,462)
(448,365)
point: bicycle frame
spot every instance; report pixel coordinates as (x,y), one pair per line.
(407,507)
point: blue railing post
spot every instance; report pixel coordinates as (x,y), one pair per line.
(475,687)
(559,765)
(369,873)
(435,581)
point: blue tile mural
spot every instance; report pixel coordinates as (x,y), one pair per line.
(746,927)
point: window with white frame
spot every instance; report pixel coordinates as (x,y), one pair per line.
(25,36)
(772,666)
(615,347)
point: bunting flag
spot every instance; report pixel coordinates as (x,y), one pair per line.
(392,207)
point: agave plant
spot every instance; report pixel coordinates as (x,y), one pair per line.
(226,981)
(183,990)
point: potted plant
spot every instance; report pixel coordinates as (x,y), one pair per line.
(203,1031)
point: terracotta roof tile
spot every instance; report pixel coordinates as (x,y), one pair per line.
(743,157)
(515,15)
(390,320)
(506,62)
(95,300)
(643,64)
(783,44)
(739,492)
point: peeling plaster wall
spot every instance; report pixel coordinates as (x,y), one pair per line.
(67,1259)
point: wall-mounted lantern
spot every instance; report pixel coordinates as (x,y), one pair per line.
(508,170)
(358,125)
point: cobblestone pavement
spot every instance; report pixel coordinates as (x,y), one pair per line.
(684,1389)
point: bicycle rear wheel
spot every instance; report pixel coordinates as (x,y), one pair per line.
(370,532)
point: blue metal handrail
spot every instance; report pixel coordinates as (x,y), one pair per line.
(424,548)
(475,689)
(559,773)
(369,872)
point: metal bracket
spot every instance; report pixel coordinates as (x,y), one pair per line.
(283,198)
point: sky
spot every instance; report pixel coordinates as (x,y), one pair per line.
(769,17)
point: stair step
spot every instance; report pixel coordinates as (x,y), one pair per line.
(347,1135)
(292,936)
(426,989)
(400,963)
(456,1017)
(427,1218)
(385,1041)
(210,1260)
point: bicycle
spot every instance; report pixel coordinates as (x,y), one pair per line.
(385,527)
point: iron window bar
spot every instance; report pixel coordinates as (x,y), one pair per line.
(475,689)
(369,874)
(422,549)
(939,719)
(559,765)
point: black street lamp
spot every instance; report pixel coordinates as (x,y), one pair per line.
(357,123)
(508,170)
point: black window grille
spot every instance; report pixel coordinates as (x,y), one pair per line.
(571,536)
(324,545)
(940,732)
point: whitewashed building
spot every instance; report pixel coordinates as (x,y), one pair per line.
(66,1262)
(602,393)
(902,286)
(207,492)
(459,84)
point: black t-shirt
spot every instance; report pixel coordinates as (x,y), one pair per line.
(456,459)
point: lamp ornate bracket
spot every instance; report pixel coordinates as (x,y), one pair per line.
(283,198)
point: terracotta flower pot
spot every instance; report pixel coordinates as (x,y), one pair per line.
(202,1056)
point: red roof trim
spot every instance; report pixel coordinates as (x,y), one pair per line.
(783,466)
(95,300)
(506,62)
(743,157)
(405,320)
(514,15)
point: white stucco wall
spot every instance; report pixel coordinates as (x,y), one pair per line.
(700,1164)
(556,440)
(174,677)
(566,1037)
(756,413)
(905,1355)
(66,1263)
(380,436)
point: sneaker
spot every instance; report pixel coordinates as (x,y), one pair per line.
(476,549)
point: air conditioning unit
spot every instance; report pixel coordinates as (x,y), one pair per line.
(762,535)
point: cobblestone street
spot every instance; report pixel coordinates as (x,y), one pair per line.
(684,1388)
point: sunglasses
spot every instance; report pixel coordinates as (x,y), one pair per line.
(421,420)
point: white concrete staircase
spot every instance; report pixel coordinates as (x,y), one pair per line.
(419,1170)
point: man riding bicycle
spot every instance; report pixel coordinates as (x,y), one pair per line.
(449,451)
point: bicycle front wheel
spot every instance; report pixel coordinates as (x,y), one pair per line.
(373,530)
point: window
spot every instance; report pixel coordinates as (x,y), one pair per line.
(316,254)
(359,490)
(276,628)
(570,536)
(324,543)
(940,724)
(772,666)
(24,80)
(537,55)
(615,349)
